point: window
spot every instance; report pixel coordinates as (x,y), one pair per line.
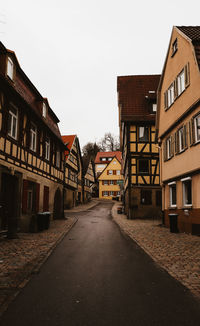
(181,82)
(10,68)
(174,47)
(170,93)
(103,159)
(105,182)
(118,172)
(47,149)
(58,159)
(110,159)
(44,110)
(33,137)
(118,193)
(105,193)
(169,147)
(181,139)
(111,193)
(143,134)
(110,172)
(111,182)
(172,194)
(143,166)
(12,122)
(197,128)
(187,191)
(154,107)
(146,197)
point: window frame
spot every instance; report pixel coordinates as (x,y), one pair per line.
(172,186)
(196,128)
(180,80)
(181,139)
(10,68)
(47,148)
(143,172)
(170,95)
(145,137)
(33,134)
(185,191)
(13,117)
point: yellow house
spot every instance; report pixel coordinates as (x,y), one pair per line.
(110,179)
(178,129)
(89,181)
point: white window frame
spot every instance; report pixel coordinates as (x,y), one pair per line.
(111,182)
(33,137)
(10,68)
(181,139)
(181,82)
(169,147)
(44,110)
(13,119)
(143,134)
(47,149)
(105,194)
(170,94)
(154,107)
(111,193)
(197,128)
(118,172)
(171,187)
(110,172)
(185,195)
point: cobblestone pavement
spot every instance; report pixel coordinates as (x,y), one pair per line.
(177,253)
(19,258)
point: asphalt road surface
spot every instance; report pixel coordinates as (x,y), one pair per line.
(96,277)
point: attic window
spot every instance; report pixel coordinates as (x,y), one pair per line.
(174,47)
(10,68)
(44,110)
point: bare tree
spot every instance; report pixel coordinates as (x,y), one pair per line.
(109,143)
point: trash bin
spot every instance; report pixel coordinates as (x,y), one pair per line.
(173,222)
(46,220)
(40,221)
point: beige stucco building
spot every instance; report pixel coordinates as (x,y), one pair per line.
(110,179)
(178,129)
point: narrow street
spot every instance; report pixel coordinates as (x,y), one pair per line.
(97,276)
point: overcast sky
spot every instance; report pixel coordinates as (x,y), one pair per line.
(73,51)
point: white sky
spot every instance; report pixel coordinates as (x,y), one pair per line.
(73,51)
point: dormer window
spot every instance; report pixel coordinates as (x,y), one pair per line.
(10,68)
(44,110)
(174,47)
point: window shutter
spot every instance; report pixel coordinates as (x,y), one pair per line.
(4,128)
(43,144)
(176,142)
(115,182)
(38,141)
(107,172)
(185,136)
(172,146)
(114,172)
(37,199)
(187,74)
(102,182)
(115,193)
(21,121)
(108,193)
(28,133)
(102,193)
(165,150)
(175,88)
(166,100)
(193,131)
(24,196)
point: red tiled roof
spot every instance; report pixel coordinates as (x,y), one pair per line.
(100,155)
(68,140)
(135,93)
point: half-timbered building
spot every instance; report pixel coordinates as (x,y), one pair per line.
(178,130)
(89,181)
(73,172)
(31,149)
(140,160)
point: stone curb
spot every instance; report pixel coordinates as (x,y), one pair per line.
(35,270)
